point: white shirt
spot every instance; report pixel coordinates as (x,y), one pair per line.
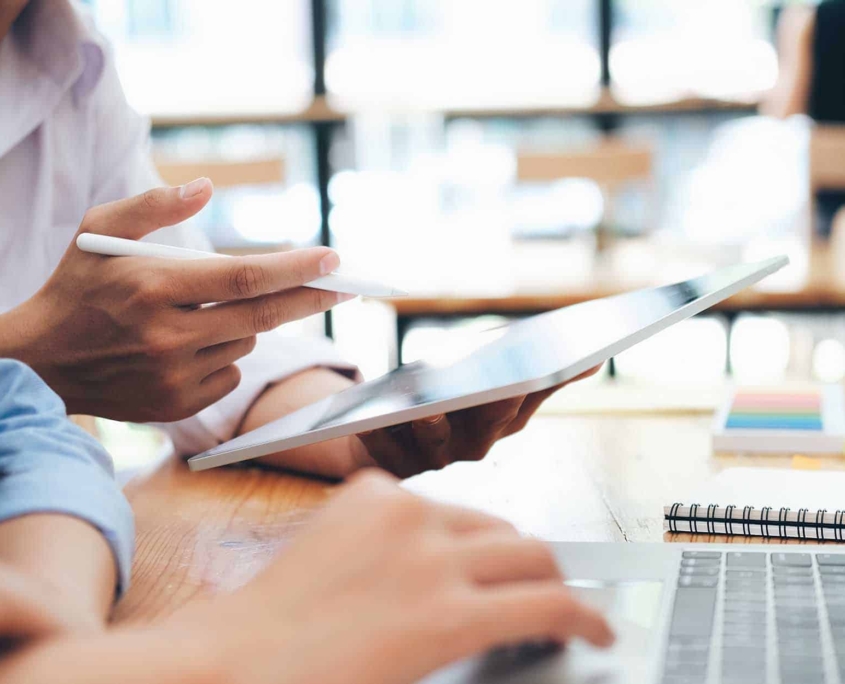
(70,141)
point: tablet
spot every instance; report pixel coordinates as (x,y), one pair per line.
(528,356)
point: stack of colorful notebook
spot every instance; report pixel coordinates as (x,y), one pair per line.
(808,420)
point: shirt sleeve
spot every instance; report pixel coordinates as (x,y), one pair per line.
(123,168)
(49,465)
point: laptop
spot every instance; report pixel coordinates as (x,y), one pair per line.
(532,355)
(690,614)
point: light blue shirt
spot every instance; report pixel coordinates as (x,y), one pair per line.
(49,465)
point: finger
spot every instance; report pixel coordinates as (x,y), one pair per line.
(432,439)
(203,281)
(392,450)
(586,374)
(214,387)
(493,418)
(236,320)
(219,356)
(493,558)
(535,610)
(483,425)
(529,407)
(460,520)
(534,400)
(135,217)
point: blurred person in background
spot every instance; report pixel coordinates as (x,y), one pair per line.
(811,49)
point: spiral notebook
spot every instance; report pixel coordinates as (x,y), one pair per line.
(765,502)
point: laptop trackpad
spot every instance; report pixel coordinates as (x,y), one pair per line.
(633,609)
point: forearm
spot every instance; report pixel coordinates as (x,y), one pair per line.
(149,656)
(337,458)
(62,515)
(70,562)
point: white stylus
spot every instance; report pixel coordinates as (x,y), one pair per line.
(334,282)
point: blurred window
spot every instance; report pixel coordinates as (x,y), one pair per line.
(665,49)
(283,212)
(184,57)
(468,53)
(691,352)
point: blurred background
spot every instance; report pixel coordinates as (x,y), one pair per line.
(502,158)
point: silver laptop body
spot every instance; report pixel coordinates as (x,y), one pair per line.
(691,614)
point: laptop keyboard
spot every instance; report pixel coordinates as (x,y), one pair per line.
(757,617)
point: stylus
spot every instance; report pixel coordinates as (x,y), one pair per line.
(107,245)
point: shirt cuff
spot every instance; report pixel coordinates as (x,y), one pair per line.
(275,358)
(75,488)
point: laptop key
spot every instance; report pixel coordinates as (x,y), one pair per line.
(781,570)
(747,574)
(830,559)
(709,582)
(686,668)
(746,559)
(743,585)
(699,571)
(793,580)
(692,614)
(746,603)
(703,562)
(743,628)
(826,570)
(702,554)
(747,617)
(804,560)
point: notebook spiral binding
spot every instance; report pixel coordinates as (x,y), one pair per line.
(766,522)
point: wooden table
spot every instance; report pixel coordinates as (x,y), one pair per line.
(565,478)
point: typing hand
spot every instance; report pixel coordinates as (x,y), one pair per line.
(383,587)
(129,338)
(466,435)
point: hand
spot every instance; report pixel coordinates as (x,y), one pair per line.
(129,338)
(393,587)
(467,435)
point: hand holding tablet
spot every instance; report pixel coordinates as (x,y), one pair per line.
(532,357)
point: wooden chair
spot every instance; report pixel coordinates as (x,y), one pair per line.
(827,163)
(224,174)
(228,174)
(611,164)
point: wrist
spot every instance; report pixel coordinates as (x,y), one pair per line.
(20,334)
(27,334)
(226,641)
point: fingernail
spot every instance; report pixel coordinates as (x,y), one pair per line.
(329,263)
(431,420)
(194,188)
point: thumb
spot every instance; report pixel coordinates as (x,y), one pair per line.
(138,216)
